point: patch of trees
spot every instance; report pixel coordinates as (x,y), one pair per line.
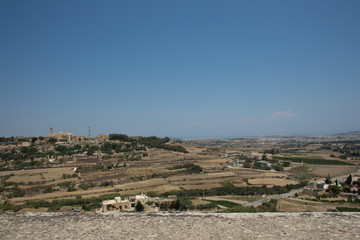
(348,151)
(87,204)
(206,206)
(17,159)
(64,150)
(6,206)
(271,151)
(109,148)
(106,183)
(334,189)
(65,176)
(182,203)
(189,168)
(277,167)
(11,155)
(230,189)
(91,150)
(174,148)
(270,206)
(49,189)
(86,186)
(16,192)
(120,137)
(151,142)
(12,139)
(29,152)
(347,209)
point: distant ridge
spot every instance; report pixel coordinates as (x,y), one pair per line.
(349,136)
(348,133)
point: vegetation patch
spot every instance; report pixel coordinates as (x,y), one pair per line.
(347,209)
(315,161)
(151,142)
(229,189)
(189,168)
(241,208)
(87,204)
(301,168)
(227,204)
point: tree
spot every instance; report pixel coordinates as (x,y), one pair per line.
(52,140)
(334,189)
(278,168)
(328,179)
(286,164)
(175,205)
(139,207)
(349,180)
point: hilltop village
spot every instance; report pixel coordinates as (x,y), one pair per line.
(115,172)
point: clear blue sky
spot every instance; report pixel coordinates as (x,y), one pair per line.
(187,69)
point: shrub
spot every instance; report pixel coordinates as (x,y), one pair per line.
(106,183)
(139,207)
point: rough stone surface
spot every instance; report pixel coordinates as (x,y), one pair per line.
(180,226)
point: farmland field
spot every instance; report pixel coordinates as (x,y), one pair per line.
(203,172)
(301,168)
(323,171)
(312,160)
(271,181)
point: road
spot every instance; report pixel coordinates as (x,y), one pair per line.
(256,203)
(284,195)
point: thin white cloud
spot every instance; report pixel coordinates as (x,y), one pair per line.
(281,115)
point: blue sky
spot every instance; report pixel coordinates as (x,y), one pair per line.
(187,69)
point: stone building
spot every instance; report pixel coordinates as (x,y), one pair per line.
(115,205)
(129,204)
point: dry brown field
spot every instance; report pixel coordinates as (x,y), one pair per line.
(192,177)
(38,175)
(271,181)
(299,205)
(323,171)
(143,186)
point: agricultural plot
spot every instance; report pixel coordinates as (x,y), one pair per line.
(313,161)
(271,181)
(323,171)
(301,168)
(226,198)
(192,177)
(38,175)
(299,205)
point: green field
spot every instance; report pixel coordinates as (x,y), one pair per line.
(315,161)
(225,203)
(244,198)
(301,168)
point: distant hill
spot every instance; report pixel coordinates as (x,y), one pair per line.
(342,136)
